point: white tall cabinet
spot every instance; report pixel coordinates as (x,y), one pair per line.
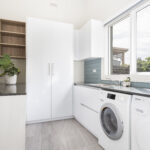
(49,70)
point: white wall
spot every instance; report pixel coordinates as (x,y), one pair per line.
(71,11)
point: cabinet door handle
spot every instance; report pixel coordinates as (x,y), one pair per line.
(52,69)
(139,110)
(88,108)
(49,69)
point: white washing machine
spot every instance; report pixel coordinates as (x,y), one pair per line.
(114,118)
(140,124)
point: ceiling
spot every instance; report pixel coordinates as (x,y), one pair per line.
(76,12)
(104,9)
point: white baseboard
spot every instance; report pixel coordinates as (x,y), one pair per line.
(47,120)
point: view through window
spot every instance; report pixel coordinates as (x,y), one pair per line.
(143,40)
(120,47)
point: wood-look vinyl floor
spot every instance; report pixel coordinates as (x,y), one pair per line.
(60,135)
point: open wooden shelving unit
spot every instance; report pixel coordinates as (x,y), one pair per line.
(12,39)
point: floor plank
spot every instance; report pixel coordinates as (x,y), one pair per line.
(60,135)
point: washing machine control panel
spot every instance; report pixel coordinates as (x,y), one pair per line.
(111,96)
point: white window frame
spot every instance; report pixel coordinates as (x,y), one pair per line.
(135,76)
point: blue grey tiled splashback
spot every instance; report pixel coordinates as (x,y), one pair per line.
(92,71)
(92,74)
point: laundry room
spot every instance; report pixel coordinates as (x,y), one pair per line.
(74,74)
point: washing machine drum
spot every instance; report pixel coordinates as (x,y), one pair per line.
(111,122)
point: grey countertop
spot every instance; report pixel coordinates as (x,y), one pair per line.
(120,89)
(18,89)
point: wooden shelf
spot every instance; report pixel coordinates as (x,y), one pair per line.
(13,39)
(16,57)
(11,45)
(13,22)
(12,33)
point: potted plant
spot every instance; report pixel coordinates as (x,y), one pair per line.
(127,82)
(8,69)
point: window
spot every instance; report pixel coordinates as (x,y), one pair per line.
(120,47)
(143,40)
(129,44)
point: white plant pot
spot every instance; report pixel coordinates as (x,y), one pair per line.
(10,79)
(126,84)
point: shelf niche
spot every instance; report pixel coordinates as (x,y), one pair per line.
(12,39)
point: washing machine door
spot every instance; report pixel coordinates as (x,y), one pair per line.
(111,123)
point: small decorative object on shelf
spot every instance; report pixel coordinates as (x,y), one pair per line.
(8,69)
(127,82)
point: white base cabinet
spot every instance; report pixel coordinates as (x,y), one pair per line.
(86,107)
(140,123)
(12,122)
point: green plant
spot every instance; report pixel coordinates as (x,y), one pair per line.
(143,65)
(127,79)
(7,67)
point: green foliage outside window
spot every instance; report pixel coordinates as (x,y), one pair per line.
(143,65)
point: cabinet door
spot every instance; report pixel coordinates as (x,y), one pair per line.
(89,40)
(91,98)
(40,44)
(90,119)
(12,122)
(62,71)
(84,35)
(97,39)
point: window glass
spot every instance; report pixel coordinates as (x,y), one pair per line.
(120,47)
(143,40)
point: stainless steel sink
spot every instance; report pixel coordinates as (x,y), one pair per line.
(101,85)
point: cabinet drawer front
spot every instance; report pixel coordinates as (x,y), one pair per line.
(91,98)
(90,119)
(89,108)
